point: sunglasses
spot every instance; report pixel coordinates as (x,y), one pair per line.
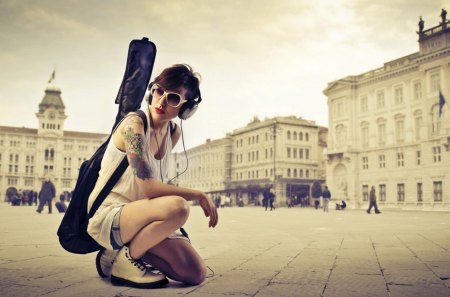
(172,99)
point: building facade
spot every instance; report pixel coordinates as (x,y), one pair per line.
(28,155)
(285,153)
(390,129)
(206,167)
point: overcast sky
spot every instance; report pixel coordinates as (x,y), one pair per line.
(257,57)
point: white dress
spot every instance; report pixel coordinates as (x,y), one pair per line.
(126,189)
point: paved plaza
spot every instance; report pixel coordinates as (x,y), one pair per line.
(286,252)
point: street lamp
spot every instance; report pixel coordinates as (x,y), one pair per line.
(274,130)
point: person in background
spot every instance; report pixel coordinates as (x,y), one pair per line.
(46,195)
(326,195)
(373,201)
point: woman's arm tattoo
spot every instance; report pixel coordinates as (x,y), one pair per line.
(134,144)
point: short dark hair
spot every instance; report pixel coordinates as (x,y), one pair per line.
(180,75)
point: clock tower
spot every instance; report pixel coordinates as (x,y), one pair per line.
(51,114)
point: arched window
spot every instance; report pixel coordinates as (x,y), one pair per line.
(295,135)
(289,172)
(288,135)
(306,136)
(300,136)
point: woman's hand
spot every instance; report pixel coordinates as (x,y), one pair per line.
(209,209)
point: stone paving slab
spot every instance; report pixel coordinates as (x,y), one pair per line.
(287,252)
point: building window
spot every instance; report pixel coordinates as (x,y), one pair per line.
(419,192)
(382,160)
(300,173)
(417,90)
(289,172)
(418,125)
(380,100)
(436,154)
(383,192)
(400,192)
(364,105)
(288,152)
(434,82)
(339,109)
(437,191)
(341,135)
(300,136)
(306,136)
(295,135)
(300,153)
(365,192)
(365,163)
(295,172)
(289,135)
(400,160)
(295,153)
(306,154)
(307,173)
(365,135)
(382,133)
(398,95)
(435,120)
(400,129)
(418,157)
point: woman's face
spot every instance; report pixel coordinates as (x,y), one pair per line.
(162,106)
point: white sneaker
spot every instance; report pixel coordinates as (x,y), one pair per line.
(104,261)
(127,271)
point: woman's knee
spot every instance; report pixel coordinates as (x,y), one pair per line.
(177,209)
(195,275)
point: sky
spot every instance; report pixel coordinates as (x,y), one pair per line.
(260,58)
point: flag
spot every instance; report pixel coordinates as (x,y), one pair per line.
(52,78)
(441,102)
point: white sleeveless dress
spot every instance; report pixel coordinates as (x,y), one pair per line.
(126,189)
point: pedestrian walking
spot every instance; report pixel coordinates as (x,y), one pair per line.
(46,195)
(265,201)
(271,200)
(373,201)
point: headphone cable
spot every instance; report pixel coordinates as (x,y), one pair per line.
(185,154)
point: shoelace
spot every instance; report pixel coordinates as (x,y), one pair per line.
(137,262)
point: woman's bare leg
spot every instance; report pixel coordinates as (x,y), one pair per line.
(177,259)
(147,222)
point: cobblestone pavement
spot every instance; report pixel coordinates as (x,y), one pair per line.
(286,252)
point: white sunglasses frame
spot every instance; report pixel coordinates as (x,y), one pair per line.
(165,94)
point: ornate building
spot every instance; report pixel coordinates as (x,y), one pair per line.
(283,152)
(390,128)
(27,155)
